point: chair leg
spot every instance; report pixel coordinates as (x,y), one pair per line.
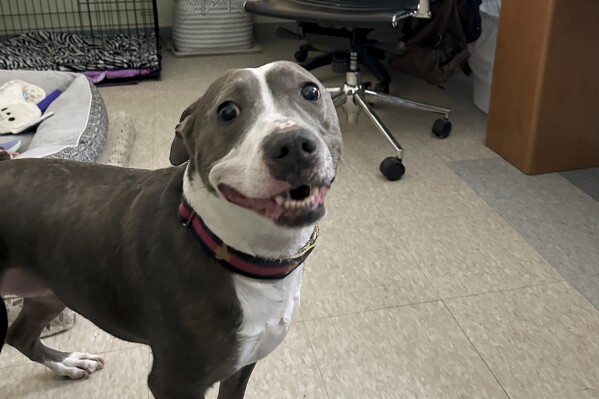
(374,118)
(339,98)
(301,55)
(318,61)
(373,96)
(377,69)
(391,167)
(354,99)
(308,47)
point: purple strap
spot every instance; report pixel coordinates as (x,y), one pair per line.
(45,103)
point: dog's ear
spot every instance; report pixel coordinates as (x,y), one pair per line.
(179,152)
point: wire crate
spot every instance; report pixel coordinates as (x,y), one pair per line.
(104,39)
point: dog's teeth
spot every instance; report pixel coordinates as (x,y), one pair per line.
(308,202)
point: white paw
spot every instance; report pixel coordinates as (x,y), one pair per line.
(77,365)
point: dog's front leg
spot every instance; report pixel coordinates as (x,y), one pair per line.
(24,334)
(234,386)
(175,375)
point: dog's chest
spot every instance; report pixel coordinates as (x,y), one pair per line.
(268,308)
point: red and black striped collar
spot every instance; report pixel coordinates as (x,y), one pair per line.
(237,261)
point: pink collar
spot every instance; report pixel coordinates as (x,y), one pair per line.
(237,261)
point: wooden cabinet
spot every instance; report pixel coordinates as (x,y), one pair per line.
(544,109)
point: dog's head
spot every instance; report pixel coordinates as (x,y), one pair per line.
(265,139)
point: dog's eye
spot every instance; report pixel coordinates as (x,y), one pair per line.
(228,111)
(311,92)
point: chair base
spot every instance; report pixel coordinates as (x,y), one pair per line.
(368,55)
(354,98)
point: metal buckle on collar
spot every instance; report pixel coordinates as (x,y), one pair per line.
(311,243)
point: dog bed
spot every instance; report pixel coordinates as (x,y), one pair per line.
(61,323)
(78,128)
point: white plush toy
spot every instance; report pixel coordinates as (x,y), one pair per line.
(18,109)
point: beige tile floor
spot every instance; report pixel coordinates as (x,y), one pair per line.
(418,289)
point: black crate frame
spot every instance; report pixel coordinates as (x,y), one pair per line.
(91,19)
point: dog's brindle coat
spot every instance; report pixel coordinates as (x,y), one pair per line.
(107,242)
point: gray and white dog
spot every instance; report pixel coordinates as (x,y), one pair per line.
(212,295)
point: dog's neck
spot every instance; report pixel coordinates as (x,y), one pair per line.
(240,228)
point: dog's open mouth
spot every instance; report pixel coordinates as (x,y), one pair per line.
(300,205)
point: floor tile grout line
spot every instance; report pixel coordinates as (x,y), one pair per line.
(475,348)
(439,299)
(324,384)
(547,283)
(319,318)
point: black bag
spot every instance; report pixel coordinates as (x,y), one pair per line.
(436,49)
(470,17)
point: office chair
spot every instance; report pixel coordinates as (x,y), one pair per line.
(346,27)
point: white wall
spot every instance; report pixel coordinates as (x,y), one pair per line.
(165,14)
(63,15)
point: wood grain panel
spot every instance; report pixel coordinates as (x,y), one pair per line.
(545,97)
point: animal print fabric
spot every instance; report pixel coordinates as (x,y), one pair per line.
(77,53)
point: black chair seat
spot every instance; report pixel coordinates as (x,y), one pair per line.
(351,13)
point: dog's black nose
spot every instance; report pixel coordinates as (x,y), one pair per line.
(289,151)
(292,156)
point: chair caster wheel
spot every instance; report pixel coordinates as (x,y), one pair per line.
(381,88)
(301,56)
(442,128)
(392,168)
